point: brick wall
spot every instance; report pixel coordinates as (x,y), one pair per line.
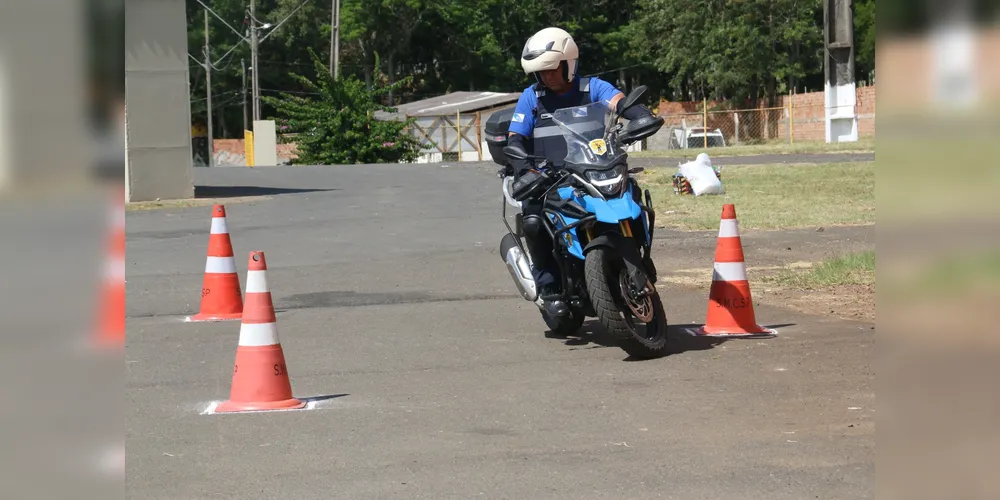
(907,70)
(236,147)
(772,124)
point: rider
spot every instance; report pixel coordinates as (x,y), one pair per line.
(551,56)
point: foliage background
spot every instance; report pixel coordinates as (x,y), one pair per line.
(742,50)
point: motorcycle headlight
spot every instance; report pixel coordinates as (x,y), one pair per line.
(608,182)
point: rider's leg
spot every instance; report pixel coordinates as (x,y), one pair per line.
(544,268)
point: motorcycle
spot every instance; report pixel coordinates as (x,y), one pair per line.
(601,229)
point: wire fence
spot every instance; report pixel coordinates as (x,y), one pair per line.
(797,118)
(741,127)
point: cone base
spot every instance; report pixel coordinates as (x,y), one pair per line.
(216,317)
(721,331)
(238,406)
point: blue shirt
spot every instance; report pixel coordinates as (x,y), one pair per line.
(523,121)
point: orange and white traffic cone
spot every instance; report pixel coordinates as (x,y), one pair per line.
(220,290)
(260,376)
(111,312)
(730,304)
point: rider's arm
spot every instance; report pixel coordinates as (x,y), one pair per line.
(601,90)
(521,126)
(515,139)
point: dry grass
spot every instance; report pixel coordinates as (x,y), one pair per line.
(771,197)
(851,269)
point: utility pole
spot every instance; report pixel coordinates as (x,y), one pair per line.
(253,63)
(208,90)
(243,64)
(335,40)
(838,67)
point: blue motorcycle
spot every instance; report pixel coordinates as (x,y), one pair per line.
(602,231)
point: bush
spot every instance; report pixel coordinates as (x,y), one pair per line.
(336,124)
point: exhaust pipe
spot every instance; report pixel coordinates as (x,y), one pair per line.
(519,268)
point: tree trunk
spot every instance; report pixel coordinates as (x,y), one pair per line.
(392,74)
(367,57)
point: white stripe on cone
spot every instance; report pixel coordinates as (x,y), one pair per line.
(729,228)
(257,282)
(115,269)
(258,334)
(729,271)
(219,225)
(220,265)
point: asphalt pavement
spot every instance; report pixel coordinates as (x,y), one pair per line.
(432,379)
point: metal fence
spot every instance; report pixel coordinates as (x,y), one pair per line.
(740,127)
(798,118)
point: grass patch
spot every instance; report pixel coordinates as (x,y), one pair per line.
(851,269)
(863,145)
(771,197)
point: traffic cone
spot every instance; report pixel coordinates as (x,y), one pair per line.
(260,376)
(220,290)
(730,304)
(111,312)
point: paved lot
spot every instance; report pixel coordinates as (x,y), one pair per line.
(436,381)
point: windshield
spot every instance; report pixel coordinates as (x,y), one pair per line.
(584,129)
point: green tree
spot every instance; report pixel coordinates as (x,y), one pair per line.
(864,36)
(335,122)
(752,50)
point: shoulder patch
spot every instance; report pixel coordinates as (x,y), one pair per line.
(518,117)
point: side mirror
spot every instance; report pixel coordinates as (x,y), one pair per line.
(633,98)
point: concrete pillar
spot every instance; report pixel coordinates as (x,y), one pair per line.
(265,143)
(158,113)
(840,88)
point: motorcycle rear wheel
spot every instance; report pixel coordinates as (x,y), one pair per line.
(638,339)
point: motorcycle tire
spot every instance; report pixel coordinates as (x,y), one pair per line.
(609,304)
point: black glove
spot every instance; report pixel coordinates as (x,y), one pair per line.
(520,166)
(528,184)
(635,112)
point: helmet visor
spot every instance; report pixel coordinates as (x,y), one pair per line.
(529,55)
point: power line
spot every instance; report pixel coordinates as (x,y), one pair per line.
(209,9)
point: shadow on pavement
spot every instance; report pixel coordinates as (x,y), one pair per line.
(681,338)
(314,399)
(241,191)
(590,333)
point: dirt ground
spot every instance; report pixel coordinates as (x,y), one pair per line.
(685,259)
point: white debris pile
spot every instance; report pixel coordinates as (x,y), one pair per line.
(698,177)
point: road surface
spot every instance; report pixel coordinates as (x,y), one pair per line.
(434,380)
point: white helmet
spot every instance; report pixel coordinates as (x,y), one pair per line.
(547,49)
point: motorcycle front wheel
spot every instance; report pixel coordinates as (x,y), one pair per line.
(564,326)
(640,326)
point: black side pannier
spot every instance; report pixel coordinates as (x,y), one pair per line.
(496,129)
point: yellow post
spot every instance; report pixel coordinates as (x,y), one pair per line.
(248,147)
(791,116)
(705,122)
